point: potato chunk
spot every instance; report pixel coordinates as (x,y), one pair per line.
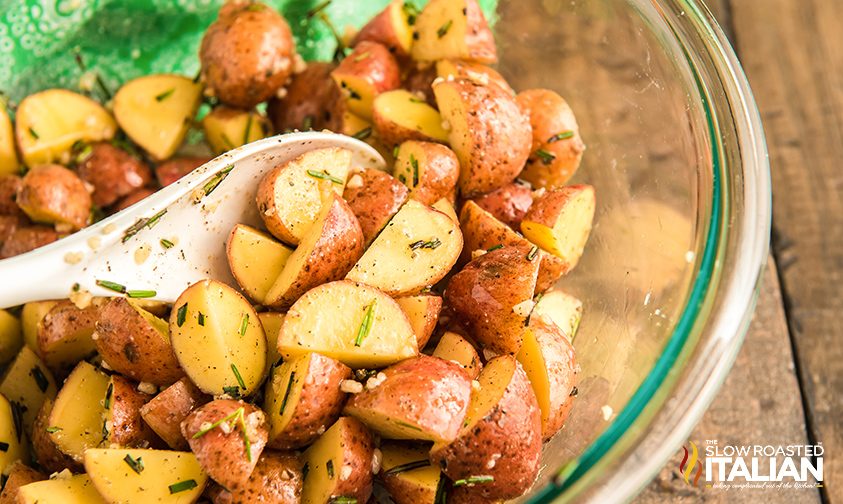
(256,260)
(418,483)
(77,489)
(9,163)
(16,446)
(77,419)
(391,28)
(400,115)
(368,71)
(52,194)
(28,382)
(227,128)
(453,29)
(454,347)
(340,464)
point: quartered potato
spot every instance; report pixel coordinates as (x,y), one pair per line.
(113,172)
(453,347)
(368,71)
(218,339)
(65,335)
(52,194)
(312,101)
(430,170)
(391,28)
(400,115)
(271,322)
(560,309)
(49,123)
(44,448)
(355,324)
(14,442)
(374,197)
(156,111)
(77,420)
(407,474)
(227,128)
(339,464)
(277,478)
(423,313)
(123,403)
(453,29)
(9,163)
(77,489)
(165,412)
(137,476)
(19,475)
(28,382)
(478,72)
(509,204)
(256,260)
(414,251)
(11,336)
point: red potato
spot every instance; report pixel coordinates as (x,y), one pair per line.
(399,115)
(52,194)
(165,412)
(19,475)
(368,71)
(508,204)
(430,171)
(247,54)
(176,168)
(455,348)
(125,424)
(340,464)
(413,484)
(477,72)
(44,448)
(423,313)
(453,29)
(277,479)
(24,239)
(311,101)
(65,335)
(133,198)
(113,172)
(8,225)
(374,197)
(217,433)
(9,186)
(501,438)
(391,28)
(419,81)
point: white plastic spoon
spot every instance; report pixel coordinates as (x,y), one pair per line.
(131,249)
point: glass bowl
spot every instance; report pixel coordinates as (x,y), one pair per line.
(675,150)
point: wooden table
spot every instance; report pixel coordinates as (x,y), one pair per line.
(787,384)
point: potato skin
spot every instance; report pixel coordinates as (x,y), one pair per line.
(483,296)
(381,29)
(223,456)
(360,448)
(165,412)
(247,54)
(176,168)
(24,239)
(46,452)
(132,346)
(512,430)
(128,428)
(9,186)
(478,37)
(440,172)
(374,200)
(374,63)
(277,478)
(58,325)
(8,225)
(113,172)
(132,198)
(550,115)
(508,204)
(312,97)
(562,367)
(55,195)
(19,475)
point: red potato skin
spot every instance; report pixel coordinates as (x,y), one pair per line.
(48,455)
(509,204)
(9,186)
(222,455)
(563,372)
(133,198)
(311,94)
(277,479)
(176,168)
(113,172)
(478,36)
(128,428)
(165,412)
(374,63)
(19,475)
(440,174)
(8,225)
(59,190)
(380,29)
(63,319)
(24,239)
(419,80)
(375,201)
(469,495)
(359,483)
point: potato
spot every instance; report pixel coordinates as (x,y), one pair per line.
(454,29)
(12,437)
(303,398)
(453,347)
(176,168)
(256,260)
(414,251)
(132,198)
(65,490)
(126,476)
(374,197)
(165,412)
(508,204)
(277,478)
(77,420)
(45,450)
(27,382)
(49,123)
(9,225)
(65,335)
(9,187)
(446,207)
(423,313)
(218,339)
(113,172)
(9,162)
(247,54)
(489,134)
(424,398)
(325,254)
(492,296)
(312,101)
(156,111)
(227,437)
(355,324)
(368,71)
(501,437)
(26,239)
(560,309)
(11,336)
(19,475)
(470,494)
(418,80)
(482,231)
(400,115)
(391,28)
(136,343)
(407,474)
(430,171)
(123,402)
(482,74)
(227,128)
(557,146)
(549,361)
(339,464)
(52,194)
(271,322)
(299,180)
(560,222)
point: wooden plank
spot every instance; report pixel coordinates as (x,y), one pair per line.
(792,54)
(759,403)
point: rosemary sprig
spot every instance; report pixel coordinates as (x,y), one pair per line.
(116,287)
(421,244)
(366,325)
(561,136)
(181,486)
(244,324)
(545,156)
(474,480)
(239,416)
(409,466)
(443,30)
(135,463)
(287,393)
(164,95)
(325,176)
(238,377)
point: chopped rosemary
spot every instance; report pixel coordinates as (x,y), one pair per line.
(135,463)
(141,294)
(473,480)
(409,466)
(200,318)
(325,176)
(141,224)
(395,151)
(108,393)
(304,470)
(319,8)
(411,11)
(214,181)
(342,499)
(444,28)
(545,156)
(414,163)
(416,99)
(181,315)
(4,447)
(53,429)
(167,243)
(532,253)
(354,95)
(18,410)
(33,133)
(432,244)
(239,415)
(103,88)
(84,153)
(40,378)
(363,133)
(233,392)
(366,325)
(244,324)
(407,425)
(402,178)
(561,136)
(441,496)
(116,287)
(181,486)
(496,247)
(329,465)
(287,393)
(248,130)
(307,123)
(239,378)
(166,94)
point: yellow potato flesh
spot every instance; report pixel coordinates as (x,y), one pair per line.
(50,122)
(31,316)
(359,94)
(532,360)
(328,318)
(19,384)
(256,260)
(400,23)
(276,392)
(562,309)
(219,338)
(319,486)
(424,479)
(432,44)
(79,412)
(403,258)
(156,111)
(447,208)
(566,237)
(353,125)
(77,489)
(453,347)
(271,322)
(118,483)
(406,110)
(228,131)
(16,448)
(11,336)
(417,309)
(453,110)
(9,163)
